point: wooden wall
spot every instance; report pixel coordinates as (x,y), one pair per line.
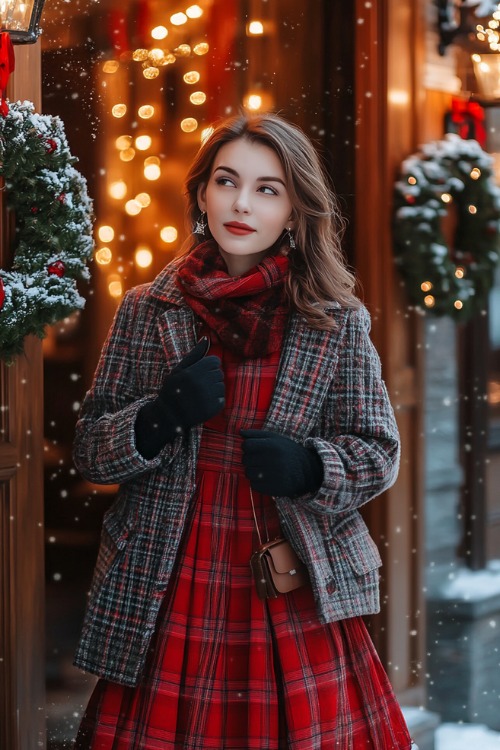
(22,700)
(389,56)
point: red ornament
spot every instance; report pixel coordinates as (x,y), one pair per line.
(57,268)
(2,294)
(62,198)
(51,145)
(410,198)
(34,209)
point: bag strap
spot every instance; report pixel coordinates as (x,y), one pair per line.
(259,537)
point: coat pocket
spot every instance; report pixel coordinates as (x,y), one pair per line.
(354,545)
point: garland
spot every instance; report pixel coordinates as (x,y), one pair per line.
(447,281)
(53,226)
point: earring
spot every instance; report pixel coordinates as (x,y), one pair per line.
(291,239)
(200,225)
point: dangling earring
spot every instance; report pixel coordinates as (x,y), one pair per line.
(200,225)
(291,239)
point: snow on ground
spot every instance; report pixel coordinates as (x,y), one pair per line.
(472,585)
(466,737)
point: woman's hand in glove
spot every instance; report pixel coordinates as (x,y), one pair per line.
(276,465)
(192,393)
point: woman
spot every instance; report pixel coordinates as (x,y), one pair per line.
(283,429)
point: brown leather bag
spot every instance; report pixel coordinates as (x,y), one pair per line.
(276,568)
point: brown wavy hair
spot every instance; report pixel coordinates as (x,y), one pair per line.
(318,271)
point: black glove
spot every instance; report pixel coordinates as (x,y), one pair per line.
(276,465)
(191,394)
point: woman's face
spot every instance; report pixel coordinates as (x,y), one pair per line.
(247,203)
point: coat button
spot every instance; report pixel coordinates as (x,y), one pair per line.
(330,587)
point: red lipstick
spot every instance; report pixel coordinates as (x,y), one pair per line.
(236,227)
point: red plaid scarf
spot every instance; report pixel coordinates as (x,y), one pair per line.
(247,313)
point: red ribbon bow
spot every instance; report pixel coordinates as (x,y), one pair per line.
(7,65)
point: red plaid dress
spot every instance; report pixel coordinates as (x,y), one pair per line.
(227,671)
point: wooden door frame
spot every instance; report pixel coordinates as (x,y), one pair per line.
(389,51)
(22,577)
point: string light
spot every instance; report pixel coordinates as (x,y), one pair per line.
(201,48)
(150,72)
(426,286)
(178,19)
(144,199)
(192,76)
(140,55)
(189,124)
(152,169)
(459,272)
(143,142)
(146,111)
(446,198)
(255,28)
(143,257)
(115,287)
(123,142)
(254,102)
(133,207)
(106,233)
(103,256)
(168,234)
(198,97)
(412,180)
(127,154)
(118,189)
(159,32)
(155,55)
(119,110)
(473,210)
(194,11)
(429,300)
(110,66)
(458,304)
(183,50)
(475,174)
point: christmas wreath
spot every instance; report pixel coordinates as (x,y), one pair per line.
(447,281)
(52,214)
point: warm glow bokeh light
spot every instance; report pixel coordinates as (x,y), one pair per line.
(118,189)
(119,110)
(194,11)
(198,97)
(144,199)
(146,111)
(110,66)
(103,256)
(168,234)
(143,142)
(133,207)
(106,233)
(255,27)
(192,76)
(189,124)
(159,32)
(143,257)
(178,19)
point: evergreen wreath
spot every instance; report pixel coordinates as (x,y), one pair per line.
(447,281)
(48,201)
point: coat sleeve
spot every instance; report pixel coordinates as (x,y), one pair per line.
(358,439)
(104,449)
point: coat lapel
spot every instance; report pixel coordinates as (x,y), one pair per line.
(307,367)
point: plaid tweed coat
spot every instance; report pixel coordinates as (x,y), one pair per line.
(329,394)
